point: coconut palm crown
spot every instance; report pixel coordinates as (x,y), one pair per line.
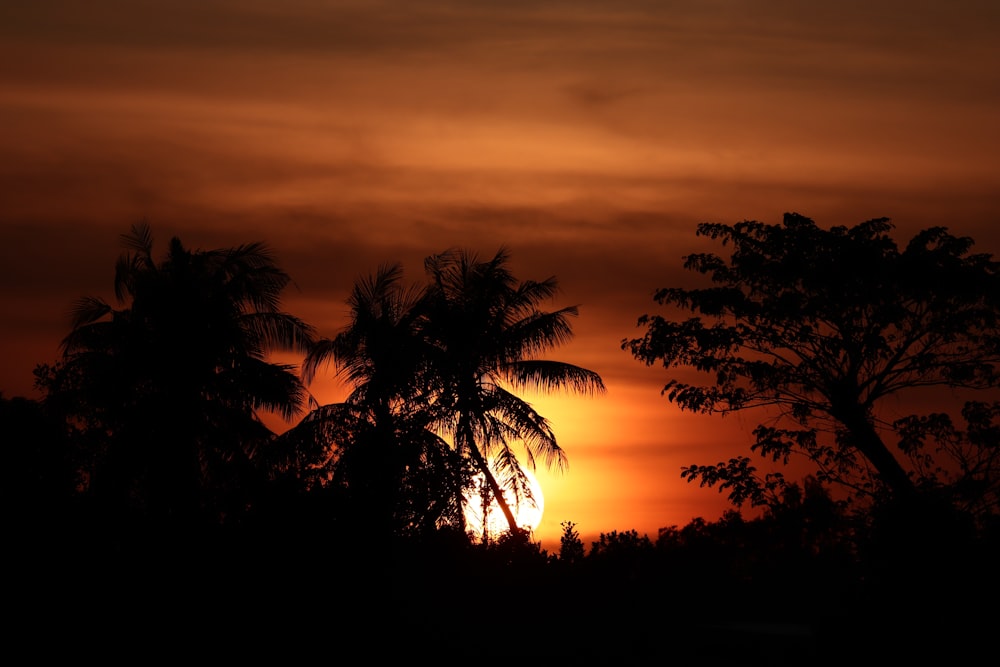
(488,336)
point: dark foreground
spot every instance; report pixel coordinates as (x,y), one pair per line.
(275,603)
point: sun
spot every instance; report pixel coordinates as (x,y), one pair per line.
(527,512)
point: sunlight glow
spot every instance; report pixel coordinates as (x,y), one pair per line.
(527,511)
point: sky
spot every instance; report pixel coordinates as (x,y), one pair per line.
(589,138)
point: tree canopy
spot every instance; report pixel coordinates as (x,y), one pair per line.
(167,390)
(819,328)
(443,361)
(489,336)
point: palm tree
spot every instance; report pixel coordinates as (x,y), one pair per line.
(379,351)
(387,457)
(173,382)
(487,334)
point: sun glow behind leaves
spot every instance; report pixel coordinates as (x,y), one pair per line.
(489,522)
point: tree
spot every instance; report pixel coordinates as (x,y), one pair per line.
(486,332)
(394,468)
(434,360)
(168,389)
(571,549)
(822,327)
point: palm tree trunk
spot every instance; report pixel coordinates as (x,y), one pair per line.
(484,468)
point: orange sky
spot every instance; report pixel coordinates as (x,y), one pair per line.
(589,137)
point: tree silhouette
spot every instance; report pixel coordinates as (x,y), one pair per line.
(394,467)
(434,360)
(487,332)
(571,549)
(821,327)
(167,390)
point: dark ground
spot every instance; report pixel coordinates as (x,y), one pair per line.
(289,608)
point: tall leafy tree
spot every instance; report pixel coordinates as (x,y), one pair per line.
(169,387)
(488,337)
(823,328)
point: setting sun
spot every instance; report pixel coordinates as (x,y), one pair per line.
(527,510)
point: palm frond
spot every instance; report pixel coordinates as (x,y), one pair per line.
(538,332)
(87,310)
(547,375)
(278,331)
(139,239)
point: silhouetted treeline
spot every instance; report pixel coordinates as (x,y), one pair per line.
(145,488)
(807,581)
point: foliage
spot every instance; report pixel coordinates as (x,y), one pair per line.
(166,392)
(397,474)
(487,335)
(972,456)
(610,544)
(740,478)
(820,328)
(444,359)
(571,549)
(512,551)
